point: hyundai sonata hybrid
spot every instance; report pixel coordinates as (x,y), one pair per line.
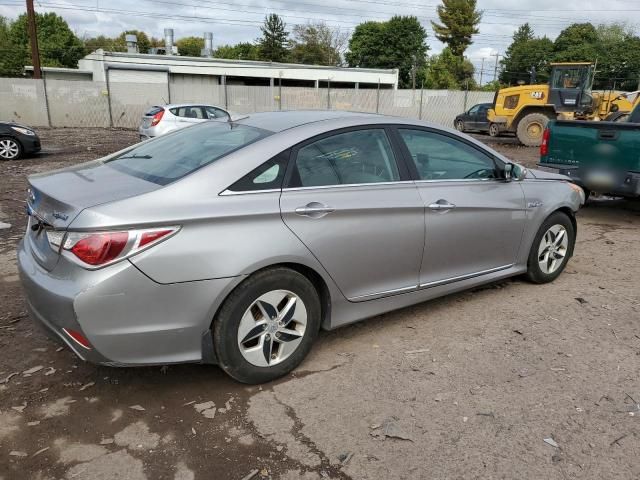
(234,243)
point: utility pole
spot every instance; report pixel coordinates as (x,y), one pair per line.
(33,40)
(413,72)
(495,70)
(481,71)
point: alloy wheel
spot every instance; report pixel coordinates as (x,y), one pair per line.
(9,149)
(272,328)
(553,249)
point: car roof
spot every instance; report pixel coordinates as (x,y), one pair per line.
(192,104)
(284,120)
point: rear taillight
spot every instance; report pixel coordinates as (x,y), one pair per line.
(544,146)
(156,118)
(78,338)
(98,249)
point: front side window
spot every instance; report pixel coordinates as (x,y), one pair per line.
(440,157)
(168,158)
(474,110)
(213,112)
(355,157)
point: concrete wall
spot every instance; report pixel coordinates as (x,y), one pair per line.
(122,104)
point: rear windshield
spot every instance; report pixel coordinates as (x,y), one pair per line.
(171,157)
(153,110)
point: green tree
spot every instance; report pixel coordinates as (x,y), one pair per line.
(316,44)
(576,43)
(449,71)
(398,43)
(59,46)
(190,46)
(618,57)
(459,22)
(526,52)
(239,51)
(11,56)
(273,44)
(108,44)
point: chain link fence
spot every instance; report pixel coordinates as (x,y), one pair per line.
(71,103)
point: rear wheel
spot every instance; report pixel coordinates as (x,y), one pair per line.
(460,125)
(494,130)
(551,249)
(617,117)
(267,326)
(530,129)
(10,149)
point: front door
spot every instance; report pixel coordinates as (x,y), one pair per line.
(351,203)
(474,220)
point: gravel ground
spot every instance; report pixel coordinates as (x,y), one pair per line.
(494,372)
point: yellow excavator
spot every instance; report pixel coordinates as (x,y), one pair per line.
(526,109)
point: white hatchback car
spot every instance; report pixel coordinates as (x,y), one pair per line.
(161,119)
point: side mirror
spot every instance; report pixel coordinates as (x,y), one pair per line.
(513,171)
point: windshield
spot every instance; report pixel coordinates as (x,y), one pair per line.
(171,157)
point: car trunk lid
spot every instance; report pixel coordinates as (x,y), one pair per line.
(56,199)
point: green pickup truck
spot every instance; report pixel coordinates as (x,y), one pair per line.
(601,157)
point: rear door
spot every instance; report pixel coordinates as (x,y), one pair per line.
(474,220)
(482,120)
(188,115)
(350,201)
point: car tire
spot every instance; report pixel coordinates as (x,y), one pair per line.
(494,130)
(530,129)
(253,348)
(460,126)
(550,252)
(617,117)
(10,148)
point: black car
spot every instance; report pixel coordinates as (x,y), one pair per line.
(17,140)
(476,119)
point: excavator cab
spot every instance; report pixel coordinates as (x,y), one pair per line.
(570,87)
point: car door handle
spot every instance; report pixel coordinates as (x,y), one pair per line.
(314,210)
(441,205)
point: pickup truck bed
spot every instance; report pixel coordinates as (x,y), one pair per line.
(600,156)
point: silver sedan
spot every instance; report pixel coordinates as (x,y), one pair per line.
(234,243)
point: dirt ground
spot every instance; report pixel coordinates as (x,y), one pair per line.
(468,386)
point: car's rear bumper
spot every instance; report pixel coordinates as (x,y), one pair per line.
(621,183)
(127,318)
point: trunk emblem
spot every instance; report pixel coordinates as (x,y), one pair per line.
(60,216)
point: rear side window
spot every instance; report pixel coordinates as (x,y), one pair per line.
(267,176)
(171,157)
(188,112)
(355,157)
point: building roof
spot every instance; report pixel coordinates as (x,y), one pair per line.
(165,59)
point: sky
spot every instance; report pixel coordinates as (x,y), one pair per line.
(233,21)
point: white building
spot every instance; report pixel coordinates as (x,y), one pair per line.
(145,68)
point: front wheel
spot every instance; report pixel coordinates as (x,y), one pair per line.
(460,125)
(10,149)
(267,326)
(551,249)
